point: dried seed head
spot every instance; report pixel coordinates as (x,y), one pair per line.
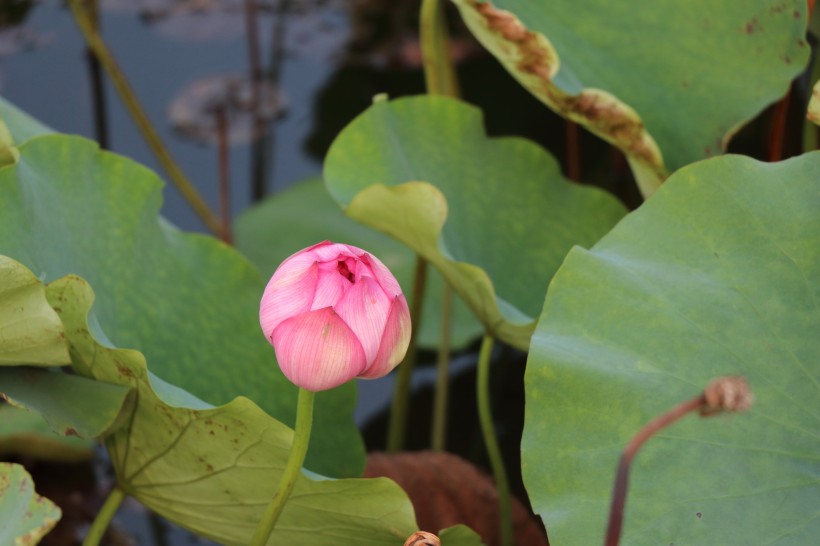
(422,538)
(730,393)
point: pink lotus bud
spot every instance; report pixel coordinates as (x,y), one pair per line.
(334,312)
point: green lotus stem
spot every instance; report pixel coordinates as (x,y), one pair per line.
(401,392)
(485,419)
(104,516)
(439,433)
(438,66)
(96,44)
(440,78)
(301,439)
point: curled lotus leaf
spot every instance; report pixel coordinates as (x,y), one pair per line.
(493,215)
(689,75)
(30,331)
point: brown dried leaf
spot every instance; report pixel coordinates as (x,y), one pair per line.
(447,490)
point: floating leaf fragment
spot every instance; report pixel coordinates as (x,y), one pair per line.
(247,107)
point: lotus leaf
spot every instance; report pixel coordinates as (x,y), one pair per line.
(25,516)
(493,215)
(214,469)
(188,302)
(24,432)
(30,331)
(717,274)
(72,405)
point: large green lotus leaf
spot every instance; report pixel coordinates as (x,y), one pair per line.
(30,330)
(25,516)
(24,432)
(72,405)
(16,127)
(493,215)
(186,301)
(305,214)
(19,126)
(717,274)
(668,82)
(213,469)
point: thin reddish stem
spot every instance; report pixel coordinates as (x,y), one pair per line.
(778,131)
(616,511)
(728,393)
(224,177)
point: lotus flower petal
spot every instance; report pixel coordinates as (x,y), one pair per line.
(395,340)
(364,308)
(328,252)
(383,275)
(317,350)
(290,292)
(331,287)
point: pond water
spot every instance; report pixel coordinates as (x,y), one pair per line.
(43,70)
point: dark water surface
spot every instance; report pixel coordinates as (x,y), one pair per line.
(51,82)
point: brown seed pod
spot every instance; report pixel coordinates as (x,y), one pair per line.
(422,538)
(729,393)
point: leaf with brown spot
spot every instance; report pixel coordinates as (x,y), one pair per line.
(26,433)
(619,68)
(219,485)
(71,404)
(25,516)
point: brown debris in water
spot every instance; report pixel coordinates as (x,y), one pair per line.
(447,490)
